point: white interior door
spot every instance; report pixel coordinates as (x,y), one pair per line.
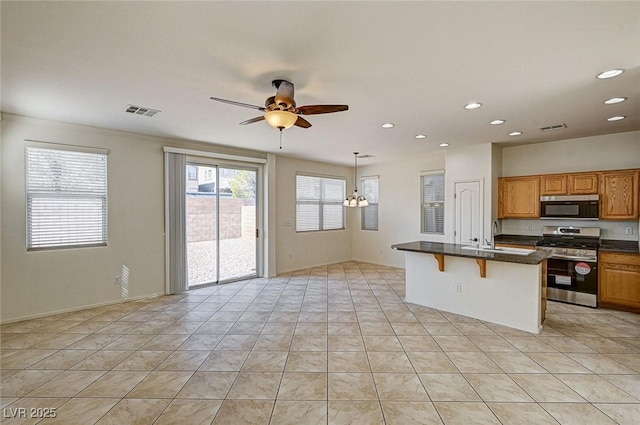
(468,212)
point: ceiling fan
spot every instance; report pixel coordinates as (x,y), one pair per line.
(281,112)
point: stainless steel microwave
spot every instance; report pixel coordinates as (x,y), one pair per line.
(570,207)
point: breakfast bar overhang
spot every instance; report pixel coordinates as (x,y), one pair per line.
(505,288)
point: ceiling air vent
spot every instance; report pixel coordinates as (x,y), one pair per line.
(141,110)
(366,156)
(553,127)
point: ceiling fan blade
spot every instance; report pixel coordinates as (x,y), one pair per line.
(301,122)
(321,109)
(252,120)
(233,102)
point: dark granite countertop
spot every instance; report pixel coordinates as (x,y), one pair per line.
(518,239)
(626,247)
(457,251)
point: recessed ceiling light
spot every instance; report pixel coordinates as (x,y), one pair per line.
(420,136)
(515,133)
(388,125)
(614,100)
(616,118)
(497,122)
(472,105)
(609,74)
(444,145)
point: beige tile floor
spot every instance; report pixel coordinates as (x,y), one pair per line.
(329,345)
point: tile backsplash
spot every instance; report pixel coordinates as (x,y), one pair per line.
(609,229)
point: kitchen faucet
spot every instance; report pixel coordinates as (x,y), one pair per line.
(494,231)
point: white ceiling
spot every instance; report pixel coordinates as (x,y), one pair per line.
(411,63)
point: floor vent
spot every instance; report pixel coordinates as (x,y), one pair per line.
(141,110)
(553,127)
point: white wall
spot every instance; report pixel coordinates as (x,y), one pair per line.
(398,210)
(470,163)
(294,250)
(41,282)
(607,152)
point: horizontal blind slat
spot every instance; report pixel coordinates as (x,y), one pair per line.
(319,203)
(369,214)
(66,198)
(432,208)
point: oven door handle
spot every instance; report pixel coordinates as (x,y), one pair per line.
(570,257)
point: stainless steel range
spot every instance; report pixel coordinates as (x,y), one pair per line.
(572,269)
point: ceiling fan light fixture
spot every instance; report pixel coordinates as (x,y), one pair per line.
(280,119)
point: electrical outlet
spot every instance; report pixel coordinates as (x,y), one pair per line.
(628,230)
(529,227)
(458,287)
(116,280)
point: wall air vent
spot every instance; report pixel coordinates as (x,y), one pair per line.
(553,127)
(141,110)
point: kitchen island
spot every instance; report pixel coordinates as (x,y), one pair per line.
(499,287)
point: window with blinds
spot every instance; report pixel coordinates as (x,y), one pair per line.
(432,203)
(66,198)
(319,203)
(369,214)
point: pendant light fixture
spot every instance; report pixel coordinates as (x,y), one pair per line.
(355,200)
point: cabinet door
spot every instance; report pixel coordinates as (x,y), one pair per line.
(519,197)
(620,279)
(619,195)
(583,184)
(553,184)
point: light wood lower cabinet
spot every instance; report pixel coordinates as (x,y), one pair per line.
(619,279)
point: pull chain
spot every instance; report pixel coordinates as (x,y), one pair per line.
(280,137)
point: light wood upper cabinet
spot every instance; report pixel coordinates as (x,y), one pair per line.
(569,184)
(553,184)
(583,183)
(619,195)
(519,197)
(619,279)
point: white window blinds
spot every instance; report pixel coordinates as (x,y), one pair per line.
(319,203)
(432,203)
(66,198)
(369,214)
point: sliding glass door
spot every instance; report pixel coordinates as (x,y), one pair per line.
(221,223)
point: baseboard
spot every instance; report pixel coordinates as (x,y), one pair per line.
(72,309)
